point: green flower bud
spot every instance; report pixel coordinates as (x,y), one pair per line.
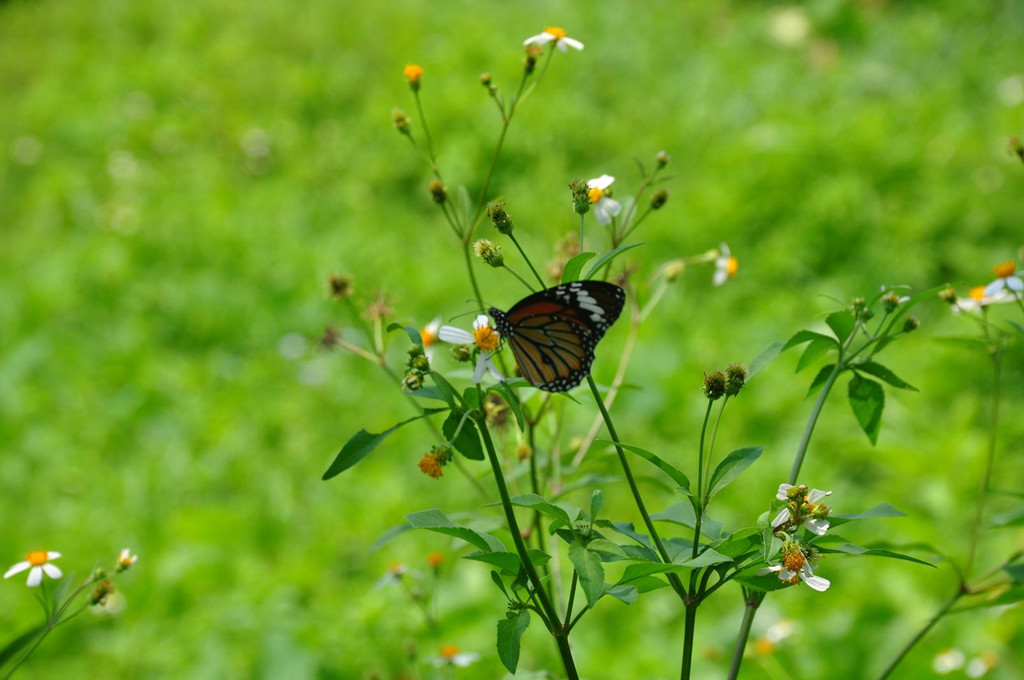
(714,385)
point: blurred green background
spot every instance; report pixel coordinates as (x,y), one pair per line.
(177,180)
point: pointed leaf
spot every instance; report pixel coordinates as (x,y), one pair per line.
(467,441)
(436,520)
(12,648)
(731,466)
(1011,518)
(363,443)
(765,357)
(510,634)
(876,512)
(706,558)
(572,269)
(596,501)
(677,476)
(850,549)
(590,571)
(683,514)
(800,337)
(625,594)
(510,398)
(842,324)
(448,392)
(532,500)
(883,373)
(413,333)
(867,399)
(814,351)
(820,379)
(608,257)
(1011,595)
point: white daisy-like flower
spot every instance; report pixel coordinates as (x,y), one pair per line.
(38,563)
(805,574)
(483,337)
(452,656)
(979,297)
(947,661)
(125,559)
(817,525)
(781,518)
(557,35)
(605,208)
(1006,280)
(782,494)
(726,265)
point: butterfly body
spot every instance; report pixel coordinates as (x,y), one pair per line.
(553,333)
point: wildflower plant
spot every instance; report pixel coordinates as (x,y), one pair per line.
(561,553)
(60,599)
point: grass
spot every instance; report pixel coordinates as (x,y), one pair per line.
(177,182)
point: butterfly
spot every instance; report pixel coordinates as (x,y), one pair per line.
(553,333)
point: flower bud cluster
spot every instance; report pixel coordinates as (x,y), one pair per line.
(434,460)
(721,384)
(418,366)
(489,252)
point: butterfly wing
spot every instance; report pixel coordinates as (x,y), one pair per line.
(552,334)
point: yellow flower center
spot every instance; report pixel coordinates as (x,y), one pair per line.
(732,266)
(764,647)
(556,32)
(978,293)
(794,561)
(413,72)
(449,652)
(37,558)
(429,337)
(595,194)
(1005,269)
(486,338)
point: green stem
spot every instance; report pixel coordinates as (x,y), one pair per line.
(523,253)
(549,613)
(673,579)
(688,630)
(472,276)
(997,364)
(801,451)
(921,633)
(753,601)
(699,510)
(521,279)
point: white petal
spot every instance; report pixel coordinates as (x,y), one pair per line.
(463,659)
(561,45)
(481,366)
(52,571)
(817,526)
(720,277)
(52,555)
(611,206)
(723,249)
(17,569)
(481,321)
(816,495)
(575,44)
(994,287)
(783,488)
(539,39)
(35,577)
(769,570)
(456,336)
(817,583)
(1015,283)
(602,182)
(781,518)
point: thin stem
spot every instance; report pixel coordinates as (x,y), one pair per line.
(688,630)
(920,634)
(753,601)
(579,245)
(673,579)
(997,364)
(472,276)
(572,598)
(521,279)
(523,253)
(801,450)
(550,615)
(699,510)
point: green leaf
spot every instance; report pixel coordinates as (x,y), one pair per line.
(596,501)
(876,512)
(740,543)
(512,400)
(388,536)
(11,649)
(1011,595)
(677,476)
(625,594)
(867,399)
(820,379)
(467,441)
(1015,572)
(510,633)
(535,502)
(427,392)
(971,343)
(608,257)
(1020,329)
(850,549)
(814,351)
(1012,518)
(800,337)
(883,373)
(627,529)
(572,269)
(590,571)
(706,558)
(436,520)
(765,357)
(842,324)
(448,392)
(508,562)
(413,333)
(731,466)
(684,514)
(606,547)
(363,443)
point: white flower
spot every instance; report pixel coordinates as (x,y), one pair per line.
(948,661)
(979,297)
(725,265)
(781,518)
(37,562)
(125,559)
(806,575)
(605,208)
(783,488)
(484,337)
(451,656)
(553,33)
(1005,280)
